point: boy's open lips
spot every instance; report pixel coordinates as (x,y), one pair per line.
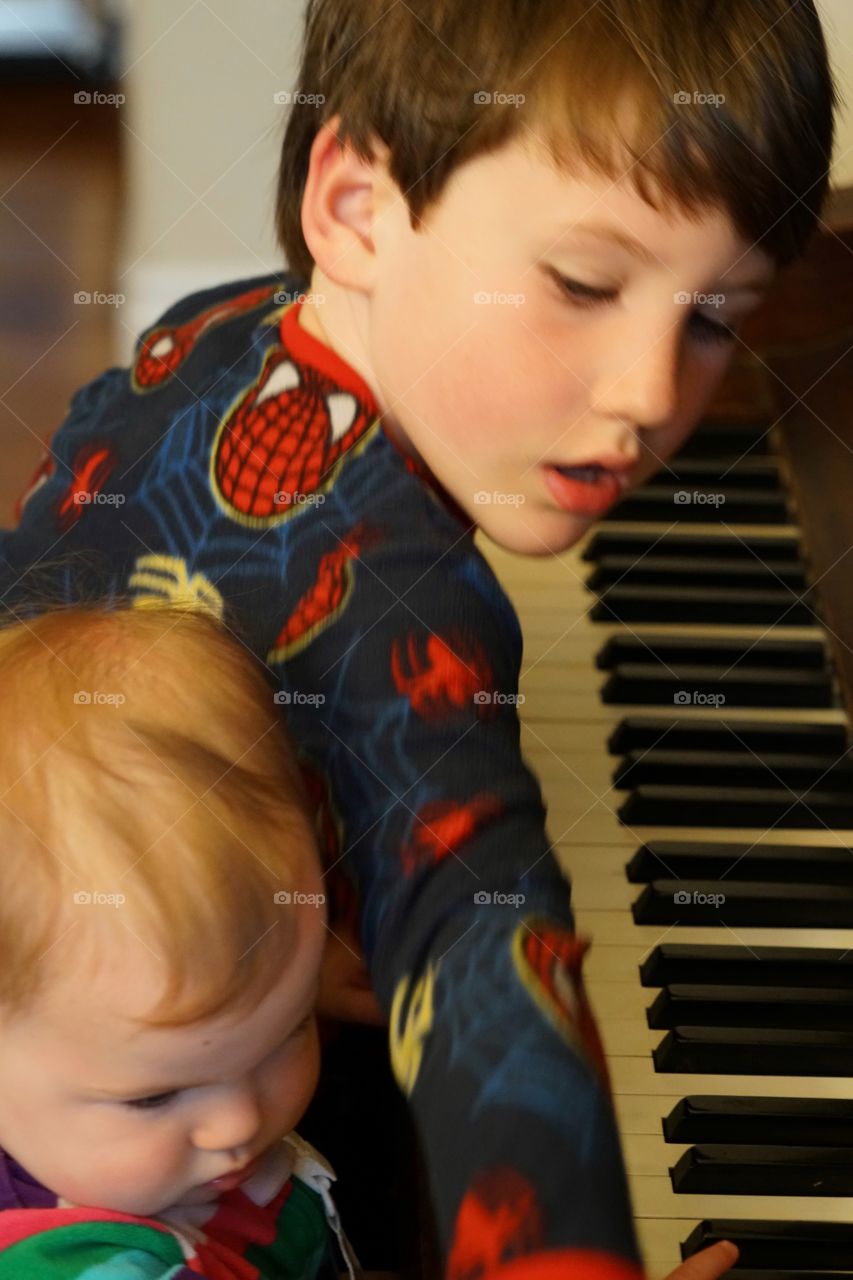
(588,489)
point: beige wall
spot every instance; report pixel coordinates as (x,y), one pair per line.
(203,134)
(837,18)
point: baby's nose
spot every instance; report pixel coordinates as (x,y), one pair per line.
(230,1120)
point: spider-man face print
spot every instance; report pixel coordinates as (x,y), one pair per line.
(279,445)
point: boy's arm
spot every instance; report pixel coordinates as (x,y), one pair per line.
(408,716)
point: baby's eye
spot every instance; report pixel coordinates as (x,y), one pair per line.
(154,1100)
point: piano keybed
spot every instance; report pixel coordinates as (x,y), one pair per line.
(735,1105)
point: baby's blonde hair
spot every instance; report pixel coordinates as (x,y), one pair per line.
(144,756)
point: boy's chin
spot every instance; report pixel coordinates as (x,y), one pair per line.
(532,533)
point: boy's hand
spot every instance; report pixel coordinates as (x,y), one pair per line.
(345,991)
(710,1264)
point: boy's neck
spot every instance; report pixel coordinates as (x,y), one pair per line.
(339,322)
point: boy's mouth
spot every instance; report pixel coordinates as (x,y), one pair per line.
(588,488)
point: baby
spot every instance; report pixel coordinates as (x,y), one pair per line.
(162,927)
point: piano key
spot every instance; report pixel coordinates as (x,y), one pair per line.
(707,734)
(726,473)
(656,569)
(729,686)
(806,1246)
(767,606)
(671,963)
(727,437)
(796,905)
(725,652)
(683,1004)
(661,766)
(751,807)
(718,546)
(699,503)
(806,864)
(653,1196)
(755,1051)
(768,1170)
(803,1121)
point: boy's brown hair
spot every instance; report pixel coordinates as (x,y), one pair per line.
(411,74)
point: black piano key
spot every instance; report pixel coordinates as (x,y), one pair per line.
(808,1122)
(727,651)
(717,546)
(658,765)
(715,1169)
(708,902)
(779,1273)
(672,962)
(724,807)
(761,1051)
(807,1247)
(803,1008)
(717,437)
(705,686)
(711,733)
(746,607)
(655,569)
(661,502)
(778,863)
(720,474)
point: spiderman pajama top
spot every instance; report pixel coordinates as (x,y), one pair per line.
(242,464)
(276,1226)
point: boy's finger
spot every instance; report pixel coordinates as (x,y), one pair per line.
(710,1264)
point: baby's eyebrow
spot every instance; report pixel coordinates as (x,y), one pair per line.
(153,1091)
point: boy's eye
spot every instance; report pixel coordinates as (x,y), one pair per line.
(713,330)
(585,294)
(154,1100)
(706,330)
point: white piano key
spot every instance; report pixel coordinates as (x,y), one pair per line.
(637,1076)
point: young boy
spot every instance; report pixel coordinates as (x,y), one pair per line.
(530,230)
(162,922)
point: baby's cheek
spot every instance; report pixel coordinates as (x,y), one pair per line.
(137,1168)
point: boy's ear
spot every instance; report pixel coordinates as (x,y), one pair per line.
(344,195)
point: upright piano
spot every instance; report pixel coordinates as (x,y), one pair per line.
(688,682)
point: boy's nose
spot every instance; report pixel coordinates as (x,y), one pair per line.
(230,1121)
(645,390)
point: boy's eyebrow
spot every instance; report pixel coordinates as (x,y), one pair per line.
(601,231)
